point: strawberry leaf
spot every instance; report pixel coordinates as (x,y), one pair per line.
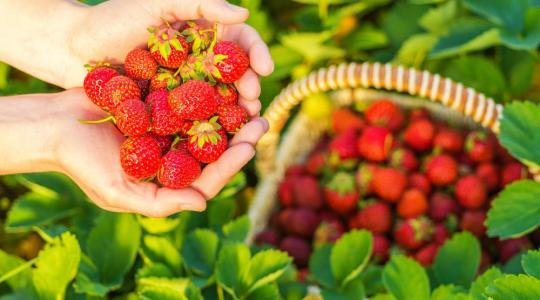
(479,285)
(264,268)
(10,262)
(154,288)
(405,279)
(531,263)
(448,292)
(514,287)
(320,267)
(157,249)
(350,255)
(351,291)
(266,292)
(237,230)
(233,259)
(200,250)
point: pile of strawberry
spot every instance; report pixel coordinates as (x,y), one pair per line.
(174,101)
(409,179)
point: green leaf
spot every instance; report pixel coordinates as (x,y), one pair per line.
(265,292)
(449,292)
(415,49)
(406,279)
(350,255)
(158,225)
(513,266)
(155,270)
(235,185)
(160,250)
(438,19)
(52,184)
(237,230)
(515,211)
(479,285)
(372,279)
(520,287)
(4,74)
(401,22)
(232,261)
(509,14)
(221,211)
(311,46)
(200,251)
(320,267)
(353,290)
(285,60)
(266,266)
(56,266)
(531,263)
(8,263)
(519,131)
(518,68)
(529,38)
(367,37)
(167,289)
(458,260)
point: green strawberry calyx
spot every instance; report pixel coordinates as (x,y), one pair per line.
(203,132)
(342,183)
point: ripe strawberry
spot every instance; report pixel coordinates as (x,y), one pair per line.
(94,84)
(470,192)
(375,217)
(389,184)
(184,128)
(139,64)
(132,118)
(364,178)
(473,221)
(419,181)
(344,145)
(267,237)
(413,233)
(301,221)
(232,117)
(307,192)
(440,234)
(164,79)
(449,140)
(118,90)
(419,113)
(207,141)
(226,94)
(345,119)
(341,194)
(419,134)
(502,153)
(297,248)
(442,206)
(144,86)
(315,163)
(164,120)
(489,174)
(140,156)
(328,232)
(168,47)
(285,191)
(413,203)
(178,170)
(512,172)
(404,159)
(509,248)
(193,100)
(426,255)
(375,143)
(384,113)
(231,61)
(441,170)
(295,170)
(164,142)
(479,146)
(381,248)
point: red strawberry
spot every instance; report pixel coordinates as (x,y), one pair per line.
(168,47)
(193,100)
(375,143)
(302,275)
(301,221)
(164,79)
(344,145)
(164,142)
(307,192)
(207,141)
(441,170)
(226,94)
(184,128)
(489,174)
(470,192)
(132,118)
(315,163)
(381,247)
(375,217)
(94,84)
(512,172)
(419,134)
(197,35)
(384,113)
(413,233)
(295,170)
(419,113)
(164,120)
(426,255)
(412,204)
(389,184)
(442,206)
(139,64)
(502,153)
(509,248)
(341,194)
(327,232)
(448,140)
(118,90)
(232,117)
(144,86)
(140,156)
(345,119)
(178,170)
(297,248)
(473,221)
(364,178)
(419,181)
(405,159)
(479,146)
(268,237)
(285,191)
(440,234)
(231,61)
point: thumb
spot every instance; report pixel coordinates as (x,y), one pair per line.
(221,11)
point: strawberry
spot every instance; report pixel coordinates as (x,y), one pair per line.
(231,61)
(303,276)
(345,119)
(207,141)
(327,232)
(197,35)
(364,178)
(232,117)
(132,118)
(267,237)
(502,153)
(315,163)
(489,174)
(384,113)
(440,234)
(341,194)
(285,191)
(419,134)
(144,86)
(470,192)
(512,172)
(479,146)
(389,184)
(404,159)
(226,94)
(413,233)
(419,113)
(473,221)
(164,142)
(442,206)
(164,120)
(295,170)
(426,255)
(448,140)
(344,145)
(307,192)
(441,170)
(510,247)
(178,170)
(375,217)
(140,156)
(118,90)
(297,248)
(375,143)
(413,203)
(193,100)
(184,127)
(301,221)
(168,47)
(419,181)
(94,84)
(381,248)
(164,79)
(139,64)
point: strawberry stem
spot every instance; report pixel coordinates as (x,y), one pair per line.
(109,118)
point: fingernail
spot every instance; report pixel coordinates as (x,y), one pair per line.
(235,8)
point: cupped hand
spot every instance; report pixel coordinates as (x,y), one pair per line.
(89,154)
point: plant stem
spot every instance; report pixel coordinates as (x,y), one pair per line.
(220,292)
(109,118)
(17,270)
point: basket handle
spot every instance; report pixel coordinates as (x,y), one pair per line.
(467,101)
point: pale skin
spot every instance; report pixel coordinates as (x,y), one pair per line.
(52,40)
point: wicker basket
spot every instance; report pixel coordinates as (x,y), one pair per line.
(348,83)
